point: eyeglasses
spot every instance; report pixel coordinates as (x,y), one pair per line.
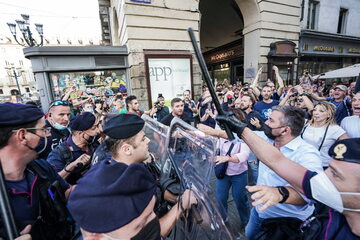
(46,130)
(59,103)
(299,100)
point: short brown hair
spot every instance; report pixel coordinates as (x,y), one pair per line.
(175,100)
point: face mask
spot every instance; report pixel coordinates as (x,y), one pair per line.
(89,110)
(59,126)
(268,132)
(90,140)
(44,143)
(325,192)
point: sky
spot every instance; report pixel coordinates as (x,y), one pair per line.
(73,19)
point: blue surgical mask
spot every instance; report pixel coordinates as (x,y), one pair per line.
(59,126)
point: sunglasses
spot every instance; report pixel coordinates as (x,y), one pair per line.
(299,100)
(59,103)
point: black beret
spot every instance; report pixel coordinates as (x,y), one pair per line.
(123,126)
(346,150)
(82,121)
(111,195)
(14,114)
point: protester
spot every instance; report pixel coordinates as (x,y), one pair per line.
(322,130)
(336,188)
(160,109)
(206,110)
(189,106)
(177,106)
(351,124)
(58,119)
(264,107)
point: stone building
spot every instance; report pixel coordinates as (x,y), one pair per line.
(236,37)
(330,35)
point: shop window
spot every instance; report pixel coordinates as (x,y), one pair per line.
(97,83)
(1,91)
(313,13)
(341,29)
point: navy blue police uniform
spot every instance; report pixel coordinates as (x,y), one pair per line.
(67,151)
(38,198)
(327,223)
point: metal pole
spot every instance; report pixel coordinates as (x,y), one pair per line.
(17,82)
(5,207)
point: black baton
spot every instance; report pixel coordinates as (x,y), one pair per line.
(6,211)
(207,79)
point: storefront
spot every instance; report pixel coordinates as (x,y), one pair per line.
(226,62)
(97,71)
(323,52)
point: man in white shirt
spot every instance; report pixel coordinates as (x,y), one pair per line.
(351,124)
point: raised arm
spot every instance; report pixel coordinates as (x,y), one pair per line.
(279,80)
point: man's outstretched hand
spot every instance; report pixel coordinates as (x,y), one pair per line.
(234,124)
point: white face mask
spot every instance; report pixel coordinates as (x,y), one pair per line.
(325,192)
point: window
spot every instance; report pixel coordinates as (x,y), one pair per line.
(27,89)
(341,29)
(1,91)
(313,13)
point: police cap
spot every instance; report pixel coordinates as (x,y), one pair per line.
(82,121)
(346,150)
(123,126)
(14,114)
(111,195)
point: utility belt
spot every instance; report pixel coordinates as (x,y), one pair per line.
(53,221)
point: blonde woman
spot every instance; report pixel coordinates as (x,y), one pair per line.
(322,131)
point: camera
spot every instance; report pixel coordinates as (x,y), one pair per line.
(186,105)
(157,105)
(245,89)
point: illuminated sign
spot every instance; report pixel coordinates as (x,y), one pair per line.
(324,49)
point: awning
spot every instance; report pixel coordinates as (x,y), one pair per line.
(351,71)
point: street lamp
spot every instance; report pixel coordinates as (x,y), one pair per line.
(10,69)
(24,26)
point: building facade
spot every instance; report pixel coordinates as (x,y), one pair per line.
(234,35)
(330,35)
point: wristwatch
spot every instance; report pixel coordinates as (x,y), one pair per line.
(284,193)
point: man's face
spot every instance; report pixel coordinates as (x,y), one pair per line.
(266,93)
(88,107)
(161,101)
(33,136)
(134,105)
(237,103)
(346,178)
(356,104)
(352,87)
(60,114)
(186,95)
(140,148)
(93,131)
(339,94)
(271,85)
(119,103)
(178,108)
(275,123)
(245,103)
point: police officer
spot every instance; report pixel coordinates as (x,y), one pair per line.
(125,186)
(337,187)
(71,157)
(58,119)
(30,182)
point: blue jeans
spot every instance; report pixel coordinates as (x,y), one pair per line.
(239,193)
(253,226)
(253,164)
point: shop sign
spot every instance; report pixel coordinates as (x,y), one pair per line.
(354,50)
(169,76)
(324,49)
(141,1)
(282,48)
(224,55)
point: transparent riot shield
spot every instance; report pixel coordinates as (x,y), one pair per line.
(191,154)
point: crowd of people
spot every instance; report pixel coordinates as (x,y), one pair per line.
(70,168)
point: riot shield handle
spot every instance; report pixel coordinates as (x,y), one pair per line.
(5,207)
(207,79)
